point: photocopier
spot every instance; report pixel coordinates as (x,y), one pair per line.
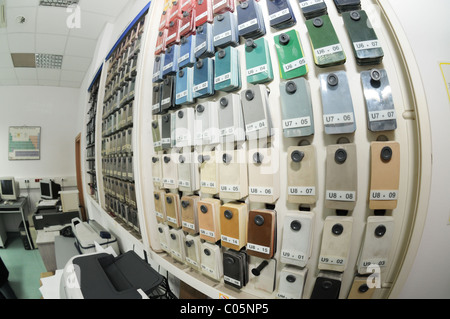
(101,275)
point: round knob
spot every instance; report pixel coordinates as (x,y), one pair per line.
(296,225)
(169,200)
(250,43)
(226,158)
(200,108)
(290,278)
(221,54)
(337,229)
(297,156)
(291,87)
(355,15)
(224,102)
(375,75)
(203,209)
(386,154)
(184,203)
(340,156)
(318,22)
(249,95)
(228,214)
(332,79)
(284,38)
(189,243)
(259,220)
(207,252)
(258,158)
(380,231)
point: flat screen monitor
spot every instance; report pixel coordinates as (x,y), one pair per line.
(49,189)
(9,189)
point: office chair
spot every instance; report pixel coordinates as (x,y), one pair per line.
(6,291)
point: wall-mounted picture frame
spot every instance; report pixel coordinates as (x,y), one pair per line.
(24,143)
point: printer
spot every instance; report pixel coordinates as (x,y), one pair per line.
(100,275)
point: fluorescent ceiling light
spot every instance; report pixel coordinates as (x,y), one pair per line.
(58,3)
(49,61)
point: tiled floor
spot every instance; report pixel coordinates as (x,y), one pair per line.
(25,267)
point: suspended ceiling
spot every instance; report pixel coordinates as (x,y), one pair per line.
(46,31)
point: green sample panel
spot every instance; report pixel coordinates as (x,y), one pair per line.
(227,76)
(291,60)
(258,62)
(327,49)
(366,46)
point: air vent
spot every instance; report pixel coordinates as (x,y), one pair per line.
(58,3)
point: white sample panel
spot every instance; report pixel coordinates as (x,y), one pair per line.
(377,243)
(298,230)
(337,234)
(291,283)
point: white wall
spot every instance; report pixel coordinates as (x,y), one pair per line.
(429,36)
(54,109)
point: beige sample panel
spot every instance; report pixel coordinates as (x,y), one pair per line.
(302,174)
(385,175)
(157,170)
(160,207)
(189,218)
(209,173)
(169,170)
(173,210)
(263,175)
(341,180)
(233,174)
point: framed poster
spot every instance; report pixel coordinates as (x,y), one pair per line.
(24,143)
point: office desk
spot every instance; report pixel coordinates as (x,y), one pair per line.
(14,207)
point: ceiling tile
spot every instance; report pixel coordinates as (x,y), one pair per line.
(48,74)
(70,84)
(111,8)
(6,61)
(48,82)
(7,74)
(12,14)
(80,47)
(9,82)
(22,42)
(22,3)
(28,82)
(26,74)
(49,43)
(91,25)
(4,46)
(52,20)
(76,63)
(72,76)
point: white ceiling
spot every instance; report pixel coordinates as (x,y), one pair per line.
(46,31)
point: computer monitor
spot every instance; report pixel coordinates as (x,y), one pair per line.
(49,189)
(9,189)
